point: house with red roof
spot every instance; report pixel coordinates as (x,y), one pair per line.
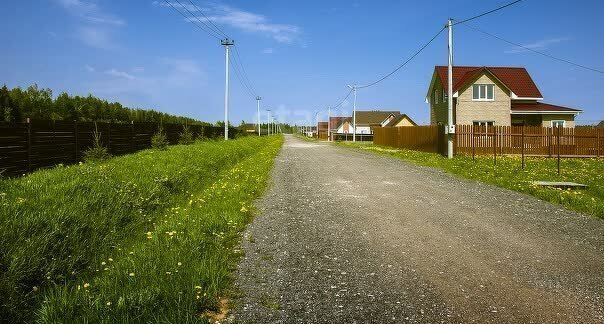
(502,96)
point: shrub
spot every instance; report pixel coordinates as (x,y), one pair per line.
(159,141)
(186,137)
(97,153)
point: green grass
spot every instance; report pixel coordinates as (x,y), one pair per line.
(508,174)
(147,237)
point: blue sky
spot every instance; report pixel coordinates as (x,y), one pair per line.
(300,55)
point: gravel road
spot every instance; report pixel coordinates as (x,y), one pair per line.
(350,237)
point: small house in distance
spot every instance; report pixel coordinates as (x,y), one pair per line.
(487,96)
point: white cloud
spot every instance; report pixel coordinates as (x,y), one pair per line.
(91,12)
(268,51)
(96,37)
(180,74)
(120,74)
(89,68)
(240,19)
(96,25)
(538,45)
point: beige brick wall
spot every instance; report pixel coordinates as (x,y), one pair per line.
(498,110)
(547,120)
(438,112)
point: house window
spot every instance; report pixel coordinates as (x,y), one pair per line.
(436,97)
(558,123)
(483,92)
(445,95)
(483,123)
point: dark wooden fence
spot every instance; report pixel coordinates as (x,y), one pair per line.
(25,147)
(420,138)
(529,140)
(497,140)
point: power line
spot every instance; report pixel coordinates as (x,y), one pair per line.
(534,50)
(216,28)
(486,13)
(245,75)
(197,18)
(238,67)
(240,78)
(404,63)
(343,100)
(187,18)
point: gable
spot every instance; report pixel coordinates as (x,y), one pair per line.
(517,80)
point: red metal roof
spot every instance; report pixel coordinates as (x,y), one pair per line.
(540,106)
(516,79)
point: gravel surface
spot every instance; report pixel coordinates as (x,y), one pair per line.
(345,236)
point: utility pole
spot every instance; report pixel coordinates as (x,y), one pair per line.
(268,123)
(329,124)
(354,113)
(258,101)
(450,122)
(226,43)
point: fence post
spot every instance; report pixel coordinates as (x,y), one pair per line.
(77,146)
(558,140)
(522,143)
(494,145)
(132,149)
(109,137)
(473,144)
(597,142)
(28,145)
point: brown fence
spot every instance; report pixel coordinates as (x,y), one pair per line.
(25,147)
(420,138)
(528,140)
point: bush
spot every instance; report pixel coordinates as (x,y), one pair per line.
(159,141)
(186,137)
(97,153)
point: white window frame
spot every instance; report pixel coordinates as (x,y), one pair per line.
(445,95)
(480,86)
(436,96)
(553,122)
(483,123)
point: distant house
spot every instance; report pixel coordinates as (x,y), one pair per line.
(366,121)
(401,120)
(493,96)
(601,124)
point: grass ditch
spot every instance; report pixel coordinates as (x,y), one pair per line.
(147,237)
(508,174)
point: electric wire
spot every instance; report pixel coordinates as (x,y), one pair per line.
(533,50)
(486,13)
(217,35)
(404,63)
(187,18)
(240,78)
(245,75)
(216,28)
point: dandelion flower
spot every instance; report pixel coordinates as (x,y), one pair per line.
(131,274)
(109,303)
(110,260)
(179,263)
(168,272)
(86,285)
(197,287)
(103,263)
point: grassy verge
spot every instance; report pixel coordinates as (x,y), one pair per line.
(148,237)
(508,174)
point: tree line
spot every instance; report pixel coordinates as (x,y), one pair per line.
(16,105)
